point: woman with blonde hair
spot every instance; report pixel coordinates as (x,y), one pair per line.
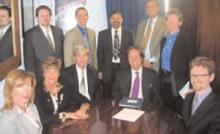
(19,114)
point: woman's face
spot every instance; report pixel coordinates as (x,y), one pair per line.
(22,93)
(51,75)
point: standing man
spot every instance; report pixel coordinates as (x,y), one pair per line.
(112,50)
(136,81)
(201,111)
(6,46)
(80,35)
(42,41)
(149,35)
(82,77)
(177,51)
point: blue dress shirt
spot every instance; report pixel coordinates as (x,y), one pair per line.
(167,50)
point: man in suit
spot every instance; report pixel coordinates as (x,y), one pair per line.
(42,41)
(136,81)
(80,35)
(149,35)
(177,50)
(82,77)
(201,111)
(6,46)
(112,50)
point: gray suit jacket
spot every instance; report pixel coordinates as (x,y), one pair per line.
(37,48)
(6,47)
(74,37)
(158,33)
(13,122)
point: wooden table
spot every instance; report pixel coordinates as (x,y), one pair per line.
(154,121)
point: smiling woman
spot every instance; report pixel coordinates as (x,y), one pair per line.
(12,58)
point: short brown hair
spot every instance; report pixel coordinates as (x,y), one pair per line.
(204,62)
(6,8)
(11,79)
(41,8)
(175,11)
(135,48)
(51,62)
(147,1)
(80,8)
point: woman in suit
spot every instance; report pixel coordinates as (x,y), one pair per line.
(19,115)
(55,99)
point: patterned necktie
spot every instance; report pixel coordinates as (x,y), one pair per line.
(135,88)
(50,40)
(195,104)
(116,45)
(147,34)
(82,85)
(86,43)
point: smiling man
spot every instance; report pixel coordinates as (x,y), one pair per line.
(112,47)
(42,41)
(80,35)
(201,111)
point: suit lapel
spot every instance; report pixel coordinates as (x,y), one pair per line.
(109,34)
(202,109)
(90,82)
(76,80)
(7,33)
(187,110)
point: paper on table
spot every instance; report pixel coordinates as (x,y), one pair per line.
(127,114)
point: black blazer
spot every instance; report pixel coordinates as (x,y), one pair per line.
(70,74)
(184,50)
(104,51)
(37,48)
(150,85)
(206,119)
(44,103)
(6,45)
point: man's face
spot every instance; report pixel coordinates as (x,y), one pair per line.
(173,23)
(134,59)
(44,17)
(200,78)
(81,59)
(82,17)
(4,18)
(116,20)
(152,9)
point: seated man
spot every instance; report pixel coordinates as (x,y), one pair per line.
(136,81)
(82,77)
(201,111)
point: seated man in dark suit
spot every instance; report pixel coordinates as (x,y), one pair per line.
(136,81)
(201,109)
(82,77)
(6,47)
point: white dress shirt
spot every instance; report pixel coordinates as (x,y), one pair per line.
(50,33)
(119,35)
(147,53)
(4,29)
(133,76)
(79,74)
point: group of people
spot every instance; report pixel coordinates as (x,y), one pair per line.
(69,68)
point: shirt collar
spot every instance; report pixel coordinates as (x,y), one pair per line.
(45,29)
(119,29)
(79,69)
(201,96)
(139,70)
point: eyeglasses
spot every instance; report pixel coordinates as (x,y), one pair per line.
(199,75)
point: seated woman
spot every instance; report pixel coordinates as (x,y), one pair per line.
(55,100)
(19,115)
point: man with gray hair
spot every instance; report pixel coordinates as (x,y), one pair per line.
(80,76)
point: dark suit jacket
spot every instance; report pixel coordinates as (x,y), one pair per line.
(104,51)
(206,118)
(37,48)
(184,50)
(44,103)
(150,85)
(6,46)
(70,74)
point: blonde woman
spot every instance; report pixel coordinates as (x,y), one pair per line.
(19,115)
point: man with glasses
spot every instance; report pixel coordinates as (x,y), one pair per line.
(201,109)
